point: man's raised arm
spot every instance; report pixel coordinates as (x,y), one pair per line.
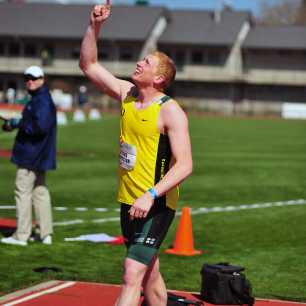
(101,77)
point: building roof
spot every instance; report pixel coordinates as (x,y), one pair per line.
(204,28)
(276,37)
(70,21)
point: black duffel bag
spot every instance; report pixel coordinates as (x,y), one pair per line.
(225,284)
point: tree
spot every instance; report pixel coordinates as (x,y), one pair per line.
(286,12)
(302,14)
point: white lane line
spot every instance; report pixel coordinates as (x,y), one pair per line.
(201,210)
(70,222)
(40,293)
(205,210)
(101,209)
(103,220)
(194,211)
(60,208)
(81,209)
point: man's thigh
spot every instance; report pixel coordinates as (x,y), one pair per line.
(25,180)
(144,236)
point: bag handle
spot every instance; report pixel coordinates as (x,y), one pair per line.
(183,300)
(225,267)
(242,296)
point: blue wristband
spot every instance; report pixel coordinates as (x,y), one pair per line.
(153,193)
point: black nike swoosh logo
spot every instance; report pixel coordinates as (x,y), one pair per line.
(144,120)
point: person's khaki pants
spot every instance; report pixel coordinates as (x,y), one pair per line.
(30,189)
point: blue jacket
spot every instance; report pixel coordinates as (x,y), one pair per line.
(35,142)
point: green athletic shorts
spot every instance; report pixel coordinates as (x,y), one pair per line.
(143,236)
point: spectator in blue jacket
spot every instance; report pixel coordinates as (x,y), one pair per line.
(34,153)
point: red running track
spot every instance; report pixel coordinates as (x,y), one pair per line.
(61,293)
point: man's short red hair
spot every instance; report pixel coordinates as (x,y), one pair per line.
(166,68)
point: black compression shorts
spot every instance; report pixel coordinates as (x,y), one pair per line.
(143,236)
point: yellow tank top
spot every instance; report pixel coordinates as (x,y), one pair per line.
(145,153)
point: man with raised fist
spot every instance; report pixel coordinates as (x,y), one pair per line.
(155,157)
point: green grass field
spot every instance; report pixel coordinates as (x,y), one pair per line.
(236,161)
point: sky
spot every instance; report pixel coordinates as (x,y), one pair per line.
(252,5)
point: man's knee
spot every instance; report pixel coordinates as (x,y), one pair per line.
(41,194)
(41,190)
(133,273)
(153,270)
(152,276)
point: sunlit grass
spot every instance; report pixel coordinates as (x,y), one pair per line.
(236,161)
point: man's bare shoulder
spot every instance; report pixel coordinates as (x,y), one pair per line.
(171,110)
(173,117)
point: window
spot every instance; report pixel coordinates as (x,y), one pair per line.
(50,50)
(30,50)
(12,84)
(180,57)
(47,55)
(126,54)
(214,57)
(104,54)
(14,49)
(105,51)
(2,51)
(167,52)
(75,53)
(286,53)
(197,57)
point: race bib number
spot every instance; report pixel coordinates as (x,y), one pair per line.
(127,157)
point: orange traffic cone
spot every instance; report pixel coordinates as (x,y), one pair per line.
(183,244)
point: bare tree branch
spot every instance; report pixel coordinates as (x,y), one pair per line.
(286,12)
